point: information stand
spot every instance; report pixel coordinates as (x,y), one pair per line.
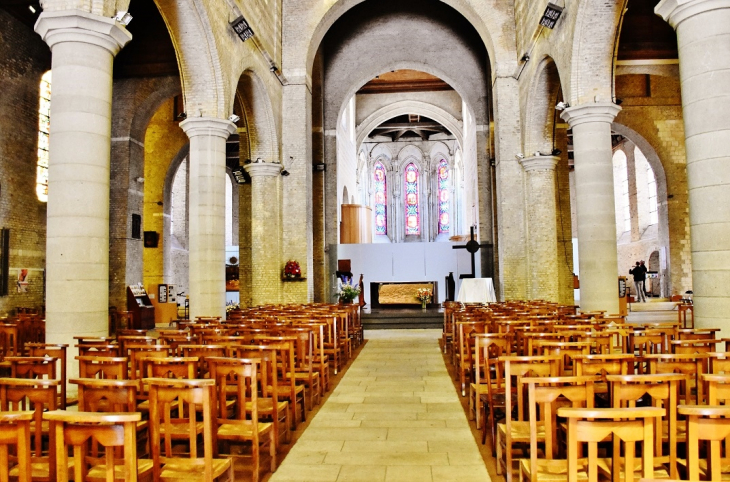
(139,303)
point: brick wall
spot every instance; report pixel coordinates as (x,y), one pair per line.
(24,58)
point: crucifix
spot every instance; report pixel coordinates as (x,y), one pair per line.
(472,246)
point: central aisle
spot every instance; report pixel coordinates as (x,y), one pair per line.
(395,416)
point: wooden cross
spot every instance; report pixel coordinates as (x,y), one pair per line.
(472,246)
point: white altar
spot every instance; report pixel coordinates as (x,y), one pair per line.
(477,290)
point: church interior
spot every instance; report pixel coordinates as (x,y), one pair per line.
(252,189)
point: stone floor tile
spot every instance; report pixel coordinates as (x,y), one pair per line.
(379,458)
(385,446)
(405,423)
(421,473)
(361,473)
(326,433)
(464,473)
(306,473)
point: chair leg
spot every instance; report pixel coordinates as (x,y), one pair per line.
(272,452)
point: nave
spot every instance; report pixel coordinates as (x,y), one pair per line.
(394,416)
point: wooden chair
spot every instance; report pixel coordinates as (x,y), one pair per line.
(663,391)
(97,349)
(15,430)
(627,425)
(691,366)
(290,391)
(518,431)
(203,352)
(35,367)
(17,394)
(169,466)
(270,408)
(710,423)
(56,351)
(116,432)
(486,346)
(465,347)
(304,362)
(8,340)
(545,395)
(321,360)
(241,375)
(565,350)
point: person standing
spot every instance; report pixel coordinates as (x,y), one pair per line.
(639,273)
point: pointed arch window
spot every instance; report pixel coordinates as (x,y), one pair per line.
(444,193)
(381,197)
(44,129)
(413,216)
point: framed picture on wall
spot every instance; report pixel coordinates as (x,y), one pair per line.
(162,293)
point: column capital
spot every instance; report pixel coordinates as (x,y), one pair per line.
(59,26)
(539,163)
(207,126)
(263,169)
(596,112)
(676,11)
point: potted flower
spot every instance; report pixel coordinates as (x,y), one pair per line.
(424,296)
(348,290)
(292,269)
(231,306)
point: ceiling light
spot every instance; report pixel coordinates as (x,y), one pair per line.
(519,156)
(234,118)
(562,106)
(31,8)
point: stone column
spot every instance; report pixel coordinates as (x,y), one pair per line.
(207,208)
(266,262)
(596,212)
(83,47)
(703,33)
(542,226)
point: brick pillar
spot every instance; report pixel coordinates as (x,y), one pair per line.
(596,212)
(207,208)
(83,47)
(703,33)
(266,262)
(512,253)
(542,226)
(297,189)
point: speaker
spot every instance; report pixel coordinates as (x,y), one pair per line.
(150,239)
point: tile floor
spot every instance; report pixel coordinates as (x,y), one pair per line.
(394,416)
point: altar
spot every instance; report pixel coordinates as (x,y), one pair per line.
(476,290)
(386,294)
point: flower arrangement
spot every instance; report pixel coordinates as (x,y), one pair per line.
(424,296)
(231,306)
(292,269)
(348,290)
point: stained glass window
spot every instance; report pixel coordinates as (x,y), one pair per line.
(381,197)
(443,193)
(44,127)
(413,217)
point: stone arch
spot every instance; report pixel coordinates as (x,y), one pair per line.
(540,118)
(489,28)
(172,170)
(201,73)
(594,38)
(254,102)
(440,149)
(411,153)
(661,187)
(385,113)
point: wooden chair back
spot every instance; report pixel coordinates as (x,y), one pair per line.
(59,352)
(97,349)
(166,395)
(565,350)
(203,352)
(39,396)
(8,340)
(77,429)
(107,395)
(663,389)
(545,396)
(36,367)
(710,423)
(692,366)
(170,367)
(15,430)
(104,367)
(626,425)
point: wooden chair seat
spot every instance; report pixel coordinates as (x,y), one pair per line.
(549,470)
(235,429)
(190,470)
(98,472)
(707,423)
(605,466)
(520,431)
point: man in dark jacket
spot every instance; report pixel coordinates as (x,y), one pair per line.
(639,272)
